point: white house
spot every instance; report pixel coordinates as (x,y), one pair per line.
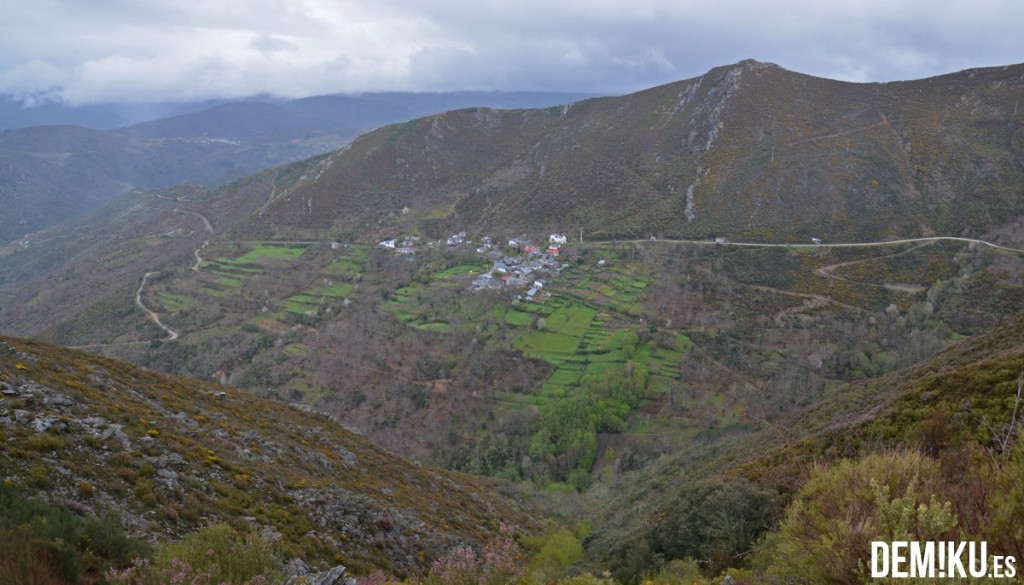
(387,244)
(557,239)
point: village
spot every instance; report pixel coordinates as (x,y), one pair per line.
(522,266)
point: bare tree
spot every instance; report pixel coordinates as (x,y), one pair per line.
(1005,436)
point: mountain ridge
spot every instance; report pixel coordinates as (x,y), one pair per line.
(749,151)
(50,173)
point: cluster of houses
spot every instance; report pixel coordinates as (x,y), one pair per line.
(525,267)
(406,246)
(403,247)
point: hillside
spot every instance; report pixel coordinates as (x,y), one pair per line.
(749,152)
(954,408)
(170,455)
(49,174)
(53,172)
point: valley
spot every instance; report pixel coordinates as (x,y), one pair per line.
(657,342)
(764,300)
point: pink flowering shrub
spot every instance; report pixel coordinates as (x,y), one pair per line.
(501,563)
(375,578)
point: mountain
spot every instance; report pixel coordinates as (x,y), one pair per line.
(21,113)
(169,455)
(51,173)
(749,151)
(341,115)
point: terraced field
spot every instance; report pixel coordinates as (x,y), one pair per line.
(232,270)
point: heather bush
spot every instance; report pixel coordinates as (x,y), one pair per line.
(500,563)
(24,562)
(40,542)
(213,556)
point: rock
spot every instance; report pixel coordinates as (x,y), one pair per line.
(348,458)
(335,576)
(271,533)
(116,432)
(296,568)
(59,400)
(166,474)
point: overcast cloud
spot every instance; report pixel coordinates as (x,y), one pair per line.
(176,50)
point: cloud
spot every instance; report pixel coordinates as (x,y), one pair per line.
(269,44)
(144,50)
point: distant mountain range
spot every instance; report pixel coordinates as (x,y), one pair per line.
(51,172)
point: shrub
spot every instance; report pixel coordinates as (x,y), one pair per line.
(25,563)
(713,522)
(826,534)
(39,541)
(214,555)
(85,489)
(501,563)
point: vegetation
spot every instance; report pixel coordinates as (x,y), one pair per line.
(213,555)
(42,544)
(170,455)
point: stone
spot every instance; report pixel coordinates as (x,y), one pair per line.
(335,576)
(60,400)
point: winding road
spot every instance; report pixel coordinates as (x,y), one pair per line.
(171,334)
(153,315)
(815,301)
(823,244)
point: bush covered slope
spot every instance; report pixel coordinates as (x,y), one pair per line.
(169,455)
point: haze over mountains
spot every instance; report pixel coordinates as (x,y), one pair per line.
(52,170)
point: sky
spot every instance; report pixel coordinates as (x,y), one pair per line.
(137,51)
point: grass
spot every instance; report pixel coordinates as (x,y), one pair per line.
(175,302)
(287,252)
(335,290)
(548,346)
(517,317)
(464,269)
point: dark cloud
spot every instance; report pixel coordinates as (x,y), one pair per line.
(141,50)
